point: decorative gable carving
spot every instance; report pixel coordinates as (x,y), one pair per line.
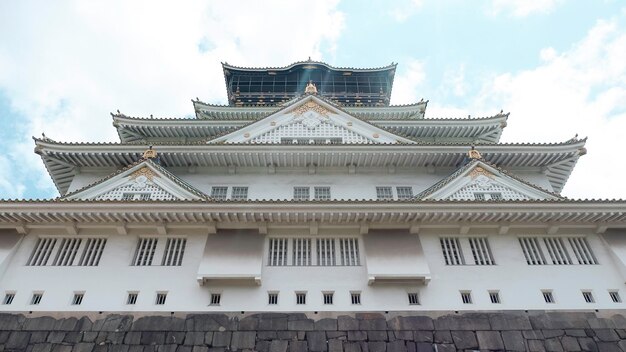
(139,186)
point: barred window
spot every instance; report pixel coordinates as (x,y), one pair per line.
(219,192)
(131,299)
(532,251)
(92,252)
(582,250)
(301,193)
(414,298)
(383,193)
(144,253)
(42,252)
(300,297)
(277,252)
(588,297)
(349,249)
(328,297)
(36,298)
(556,250)
(326,252)
(8,298)
(160,298)
(355,297)
(548,297)
(452,251)
(135,196)
(481,251)
(404,192)
(322,193)
(67,252)
(78,298)
(466,297)
(239,193)
(494,296)
(216,299)
(272,298)
(301,252)
(615,297)
(174,251)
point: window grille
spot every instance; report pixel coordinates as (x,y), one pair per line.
(479,196)
(322,193)
(582,250)
(42,252)
(466,297)
(301,193)
(67,252)
(160,298)
(557,251)
(494,296)
(355,297)
(532,251)
(8,298)
(495,196)
(328,297)
(216,298)
(588,297)
(272,298)
(219,193)
(301,252)
(326,252)
(481,251)
(239,193)
(92,252)
(404,192)
(615,297)
(496,192)
(414,298)
(145,251)
(383,193)
(174,251)
(278,252)
(548,296)
(36,298)
(321,134)
(135,196)
(77,299)
(300,298)
(349,248)
(131,192)
(131,299)
(128,196)
(452,251)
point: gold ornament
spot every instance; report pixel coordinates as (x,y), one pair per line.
(310,105)
(477,171)
(144,171)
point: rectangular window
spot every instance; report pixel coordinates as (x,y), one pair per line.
(36,298)
(548,297)
(216,298)
(300,298)
(495,196)
(355,297)
(131,299)
(135,196)
(481,251)
(557,251)
(466,297)
(404,192)
(67,251)
(301,193)
(615,296)
(328,297)
(144,253)
(92,252)
(78,299)
(322,193)
(301,252)
(174,251)
(582,250)
(326,252)
(494,296)
(452,251)
(239,193)
(8,298)
(272,298)
(532,251)
(414,298)
(479,196)
(588,297)
(219,192)
(349,249)
(160,298)
(383,193)
(42,251)
(278,252)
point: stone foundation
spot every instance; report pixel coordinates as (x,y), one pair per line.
(296,332)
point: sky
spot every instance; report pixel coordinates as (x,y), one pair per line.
(558,67)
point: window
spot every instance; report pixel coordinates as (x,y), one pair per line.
(300,297)
(560,250)
(487,196)
(218,192)
(548,296)
(36,298)
(144,253)
(78,298)
(481,251)
(582,250)
(42,251)
(466,297)
(160,298)
(216,298)
(452,251)
(322,193)
(239,193)
(272,298)
(174,251)
(301,193)
(278,252)
(301,252)
(325,252)
(8,298)
(135,196)
(92,252)
(349,248)
(383,193)
(494,296)
(404,192)
(355,297)
(328,297)
(613,294)
(414,298)
(532,251)
(588,297)
(67,251)
(556,250)
(131,299)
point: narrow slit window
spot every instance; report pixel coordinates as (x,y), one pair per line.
(301,193)
(301,248)
(326,252)
(452,251)
(272,298)
(349,249)
(384,193)
(494,296)
(300,298)
(404,192)
(144,253)
(481,251)
(466,297)
(216,299)
(219,192)
(548,297)
(160,298)
(414,298)
(582,251)
(131,299)
(42,251)
(67,252)
(328,297)
(588,297)
(239,193)
(36,298)
(92,252)
(556,250)
(355,297)
(277,252)
(322,193)
(532,251)
(615,297)
(78,298)
(8,298)
(174,251)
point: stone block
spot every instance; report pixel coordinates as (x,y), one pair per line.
(160,348)
(62,348)
(40,323)
(536,346)
(570,344)
(618,319)
(217,349)
(470,321)
(266,335)
(443,337)
(326,324)
(278,346)
(601,323)
(352,347)
(501,321)
(139,348)
(175,337)
(357,335)
(342,335)
(364,346)
(132,338)
(199,349)
(410,346)
(11,321)
(152,338)
(125,348)
(533,334)
(445,348)
(207,322)
(403,335)
(396,346)
(317,341)
(377,335)
(552,333)
(608,347)
(489,340)
(301,325)
(249,323)
(411,323)
(424,347)
(221,338)
(620,332)
(575,332)
(66,324)
(243,340)
(513,340)
(464,339)
(56,337)
(373,324)
(346,323)
(158,323)
(606,335)
(17,340)
(335,346)
(287,335)
(560,320)
(622,344)
(42,347)
(376,346)
(208,337)
(553,344)
(115,338)
(263,346)
(193,338)
(273,321)
(35,336)
(298,346)
(113,322)
(423,336)
(90,336)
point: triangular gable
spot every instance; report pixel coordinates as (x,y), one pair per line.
(479,180)
(144,180)
(311,120)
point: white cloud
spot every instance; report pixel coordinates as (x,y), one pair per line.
(407,83)
(406,9)
(523,8)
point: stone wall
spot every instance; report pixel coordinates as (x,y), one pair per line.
(277,332)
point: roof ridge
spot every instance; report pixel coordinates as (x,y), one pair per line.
(309,61)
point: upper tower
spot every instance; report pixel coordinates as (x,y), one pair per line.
(276,85)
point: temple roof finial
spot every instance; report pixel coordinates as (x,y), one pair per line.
(310,88)
(150,153)
(474,154)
